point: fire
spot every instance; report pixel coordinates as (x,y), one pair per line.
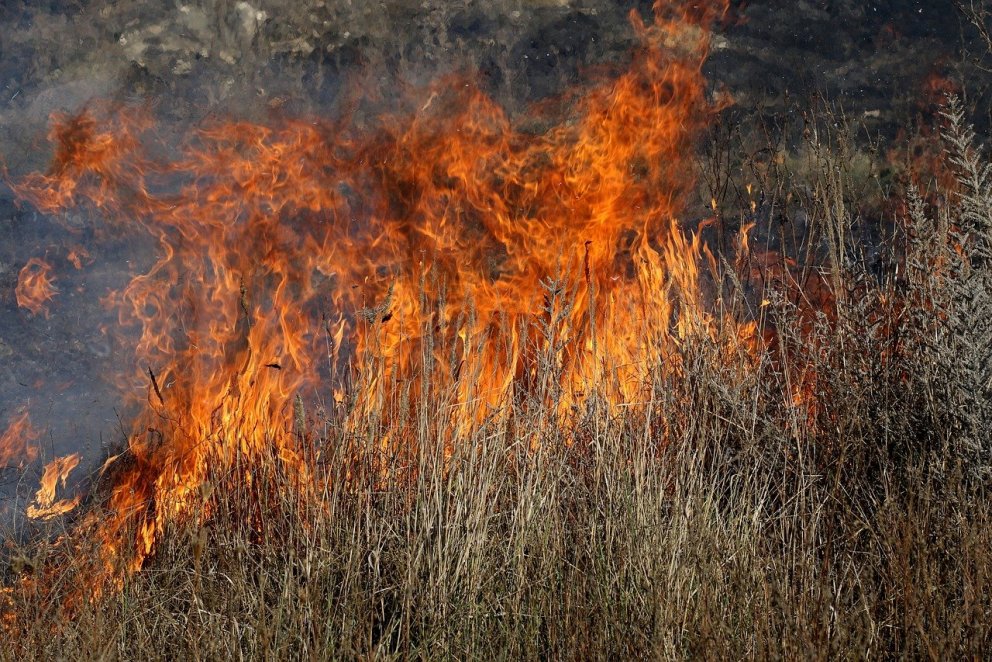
(15,443)
(35,286)
(78,256)
(444,246)
(57,471)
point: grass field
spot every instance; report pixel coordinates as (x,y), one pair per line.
(777,448)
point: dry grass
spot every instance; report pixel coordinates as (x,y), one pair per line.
(833,502)
(725,517)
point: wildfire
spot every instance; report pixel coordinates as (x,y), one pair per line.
(15,443)
(289,250)
(35,286)
(78,256)
(57,471)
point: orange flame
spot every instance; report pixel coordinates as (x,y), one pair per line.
(57,471)
(35,286)
(78,256)
(15,443)
(568,271)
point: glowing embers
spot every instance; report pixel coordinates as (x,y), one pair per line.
(35,286)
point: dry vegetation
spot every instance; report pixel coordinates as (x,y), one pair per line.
(830,503)
(821,496)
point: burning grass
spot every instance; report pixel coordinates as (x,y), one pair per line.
(717,518)
(516,407)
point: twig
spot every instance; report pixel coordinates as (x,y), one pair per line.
(158,392)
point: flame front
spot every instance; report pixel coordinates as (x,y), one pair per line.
(287,251)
